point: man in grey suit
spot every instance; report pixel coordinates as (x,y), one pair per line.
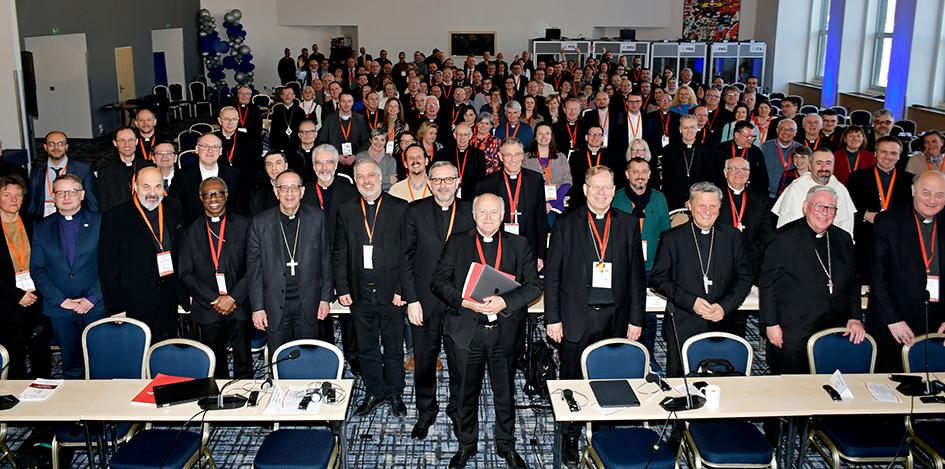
(289,264)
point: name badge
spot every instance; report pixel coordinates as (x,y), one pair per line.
(368,254)
(605,141)
(389,148)
(346,148)
(931,285)
(49,208)
(602,274)
(459,192)
(551,192)
(665,140)
(24,282)
(644,250)
(403,74)
(221,283)
(511,228)
(241,129)
(492,317)
(165,264)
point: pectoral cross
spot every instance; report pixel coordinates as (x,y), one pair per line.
(291,265)
(741,227)
(830,285)
(705,283)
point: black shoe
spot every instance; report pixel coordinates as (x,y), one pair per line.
(569,452)
(397,407)
(367,406)
(513,460)
(459,460)
(421,429)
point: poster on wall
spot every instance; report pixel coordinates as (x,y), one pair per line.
(710,20)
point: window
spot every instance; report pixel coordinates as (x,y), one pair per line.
(822,39)
(885,23)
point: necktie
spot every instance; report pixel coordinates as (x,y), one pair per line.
(57,171)
(166,185)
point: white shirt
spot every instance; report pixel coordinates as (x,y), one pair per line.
(790,205)
(204,174)
(51,175)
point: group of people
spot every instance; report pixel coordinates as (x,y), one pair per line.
(385,210)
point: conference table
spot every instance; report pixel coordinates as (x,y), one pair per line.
(110,401)
(742,397)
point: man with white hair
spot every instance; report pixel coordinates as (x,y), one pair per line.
(813,124)
(511,126)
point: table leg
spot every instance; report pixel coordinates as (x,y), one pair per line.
(556,447)
(88,444)
(343,444)
(777,449)
(803,451)
(789,445)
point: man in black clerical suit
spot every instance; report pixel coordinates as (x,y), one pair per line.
(489,332)
(115,180)
(566,130)
(346,131)
(807,283)
(632,125)
(906,271)
(250,115)
(590,153)
(264,197)
(741,146)
(522,190)
(287,257)
(301,159)
(213,271)
(286,117)
(685,162)
(428,224)
(702,270)
(871,197)
(595,282)
(469,161)
(668,120)
(186,187)
(138,259)
(147,137)
(366,252)
(241,151)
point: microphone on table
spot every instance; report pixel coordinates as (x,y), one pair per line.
(687,402)
(234,401)
(655,378)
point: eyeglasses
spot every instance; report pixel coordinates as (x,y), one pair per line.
(210,147)
(748,136)
(820,208)
(212,195)
(126,140)
(286,188)
(307,131)
(882,122)
(596,188)
(446,180)
(324,161)
(57,144)
(70,193)
(164,153)
(739,170)
(229,119)
(638,150)
(595,134)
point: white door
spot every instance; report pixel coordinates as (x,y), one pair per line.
(62,84)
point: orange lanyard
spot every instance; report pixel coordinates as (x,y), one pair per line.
(410,187)
(344,131)
(546,169)
(370,229)
(456,112)
(147,151)
(21,253)
(513,201)
(603,123)
(390,133)
(449,230)
(462,167)
(374,125)
(633,131)
(941,169)
(884,198)
(856,164)
(601,242)
(498,254)
(215,253)
(737,218)
(816,142)
(926,257)
(589,165)
(513,133)
(49,184)
(557,81)
(787,163)
(160,240)
(665,125)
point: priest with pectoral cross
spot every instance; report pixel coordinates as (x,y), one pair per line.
(716,277)
(289,264)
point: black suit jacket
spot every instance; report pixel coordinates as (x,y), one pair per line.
(897,275)
(251,120)
(562,133)
(423,239)
(793,285)
(668,124)
(568,272)
(283,119)
(114,182)
(266,257)
(348,254)
(331,133)
(578,162)
(246,151)
(756,220)
(450,275)
(650,133)
(342,191)
(186,188)
(127,261)
(198,276)
(473,172)
(533,221)
(758,177)
(676,161)
(865,195)
(37,182)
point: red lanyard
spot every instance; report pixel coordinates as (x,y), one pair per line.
(370,229)
(49,184)
(787,163)
(160,240)
(242,115)
(462,167)
(498,254)
(745,150)
(601,242)
(215,253)
(737,218)
(926,257)
(884,198)
(321,201)
(21,253)
(573,136)
(344,131)
(665,124)
(513,201)
(232,149)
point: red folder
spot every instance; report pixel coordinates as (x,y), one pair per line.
(146,396)
(473,279)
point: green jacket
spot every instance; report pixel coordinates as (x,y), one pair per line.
(655,222)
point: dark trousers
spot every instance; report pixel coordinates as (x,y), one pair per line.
(599,327)
(349,342)
(382,372)
(68,333)
(19,323)
(164,322)
(486,350)
(225,332)
(426,349)
(293,326)
(785,361)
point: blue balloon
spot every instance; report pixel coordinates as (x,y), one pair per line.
(205,49)
(204,41)
(226,24)
(215,34)
(229,62)
(249,67)
(247,58)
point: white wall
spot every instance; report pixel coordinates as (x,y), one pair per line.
(171,43)
(10,74)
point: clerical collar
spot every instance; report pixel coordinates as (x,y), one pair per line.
(370,202)
(688,145)
(735,191)
(705,232)
(819,235)
(130,163)
(215,219)
(511,176)
(599,217)
(485,239)
(446,208)
(67,217)
(791,143)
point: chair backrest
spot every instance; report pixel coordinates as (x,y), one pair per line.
(739,85)
(176,91)
(198,91)
(829,351)
(800,100)
(186,158)
(776,103)
(678,217)
(187,140)
(162,92)
(776,95)
(915,145)
(4,360)
(913,357)
(201,79)
(318,360)
(202,128)
(180,357)
(809,110)
(840,110)
(258,340)
(615,359)
(717,345)
(906,125)
(860,117)
(261,100)
(114,348)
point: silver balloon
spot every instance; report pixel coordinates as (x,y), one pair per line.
(237,14)
(204,12)
(250,74)
(202,33)
(228,18)
(239,77)
(244,50)
(235,22)
(204,54)
(233,52)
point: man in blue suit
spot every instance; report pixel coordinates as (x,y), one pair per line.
(42,176)
(64,267)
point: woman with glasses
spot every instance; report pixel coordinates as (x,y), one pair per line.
(378,152)
(485,141)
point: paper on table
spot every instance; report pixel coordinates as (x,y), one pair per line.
(882,392)
(692,390)
(286,401)
(840,384)
(40,389)
(608,410)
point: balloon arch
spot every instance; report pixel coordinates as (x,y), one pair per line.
(230,54)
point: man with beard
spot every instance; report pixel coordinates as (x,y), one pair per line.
(145,122)
(416,186)
(42,177)
(346,131)
(789,206)
(286,117)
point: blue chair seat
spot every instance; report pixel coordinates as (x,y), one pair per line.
(731,443)
(64,436)
(931,433)
(147,449)
(629,448)
(864,437)
(311,449)
(258,339)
